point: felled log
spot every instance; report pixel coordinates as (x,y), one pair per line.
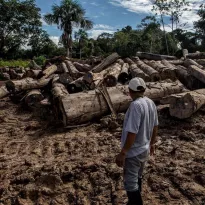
(3,92)
(49,71)
(176,62)
(105,63)
(196,55)
(33,97)
(82,107)
(33,74)
(77,86)
(137,72)
(189,62)
(124,74)
(4,70)
(153,74)
(26,84)
(129,61)
(34,65)
(82,67)
(18,70)
(112,75)
(62,68)
(65,78)
(164,71)
(120,61)
(72,70)
(58,89)
(187,79)
(13,74)
(4,76)
(151,56)
(200,61)
(184,105)
(197,73)
(19,76)
(169,65)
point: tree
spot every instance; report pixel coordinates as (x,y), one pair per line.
(68,15)
(82,37)
(18,20)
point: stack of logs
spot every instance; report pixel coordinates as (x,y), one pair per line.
(74,87)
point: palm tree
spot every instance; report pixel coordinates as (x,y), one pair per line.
(68,15)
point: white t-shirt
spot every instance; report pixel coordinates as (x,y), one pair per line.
(140,118)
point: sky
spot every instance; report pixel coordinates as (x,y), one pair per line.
(110,15)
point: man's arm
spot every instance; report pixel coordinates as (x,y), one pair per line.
(153,140)
(120,160)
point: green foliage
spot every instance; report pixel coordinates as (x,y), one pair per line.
(18,20)
(14,63)
(40,60)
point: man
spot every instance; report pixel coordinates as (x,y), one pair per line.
(137,140)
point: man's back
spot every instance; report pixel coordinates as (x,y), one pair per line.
(141,117)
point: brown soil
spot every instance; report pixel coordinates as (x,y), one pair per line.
(43,164)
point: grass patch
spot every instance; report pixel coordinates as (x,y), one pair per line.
(14,63)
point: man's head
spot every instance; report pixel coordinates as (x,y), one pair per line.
(137,88)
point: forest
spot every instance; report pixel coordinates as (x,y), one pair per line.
(22,35)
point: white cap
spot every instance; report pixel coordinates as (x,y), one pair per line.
(136,83)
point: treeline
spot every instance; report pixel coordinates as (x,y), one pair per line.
(22,36)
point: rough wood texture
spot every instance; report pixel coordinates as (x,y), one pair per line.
(65,78)
(105,63)
(3,92)
(176,62)
(184,105)
(153,74)
(4,76)
(120,61)
(151,56)
(137,72)
(72,70)
(33,97)
(189,62)
(168,64)
(34,73)
(112,74)
(196,55)
(82,107)
(124,74)
(197,73)
(164,71)
(200,61)
(49,71)
(34,65)
(62,68)
(129,61)
(187,79)
(77,86)
(82,67)
(26,84)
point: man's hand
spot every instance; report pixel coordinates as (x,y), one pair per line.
(152,150)
(120,160)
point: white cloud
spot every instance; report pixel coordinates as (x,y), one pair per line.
(55,39)
(96,32)
(103,26)
(94,4)
(145,7)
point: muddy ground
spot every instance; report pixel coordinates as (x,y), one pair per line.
(44,164)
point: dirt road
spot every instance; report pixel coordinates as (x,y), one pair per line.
(43,164)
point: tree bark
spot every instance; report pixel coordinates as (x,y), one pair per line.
(152,56)
(82,107)
(129,61)
(82,67)
(34,74)
(33,97)
(124,74)
(169,65)
(196,55)
(120,61)
(112,74)
(77,86)
(187,79)
(137,72)
(189,62)
(3,92)
(184,105)
(105,63)
(197,73)
(62,68)
(153,74)
(5,76)
(176,62)
(49,71)
(164,71)
(72,70)
(65,78)
(26,84)
(201,62)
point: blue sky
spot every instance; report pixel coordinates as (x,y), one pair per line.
(110,15)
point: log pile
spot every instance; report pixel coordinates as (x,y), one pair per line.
(74,87)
